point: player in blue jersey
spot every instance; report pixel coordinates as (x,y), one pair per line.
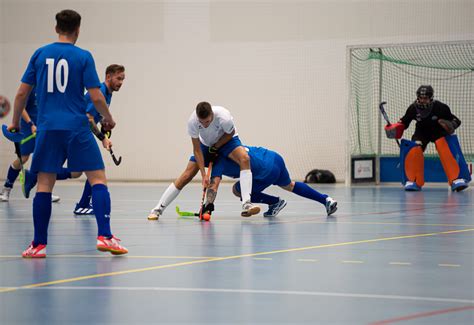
(28,127)
(268,168)
(114,78)
(60,72)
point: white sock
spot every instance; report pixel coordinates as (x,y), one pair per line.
(170,194)
(245,184)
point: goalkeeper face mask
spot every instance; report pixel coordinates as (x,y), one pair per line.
(423,104)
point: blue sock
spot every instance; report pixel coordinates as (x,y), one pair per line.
(86,195)
(306,191)
(101,203)
(41,216)
(264,198)
(11,177)
(64,174)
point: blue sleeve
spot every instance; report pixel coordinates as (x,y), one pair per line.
(29,77)
(91,108)
(91,79)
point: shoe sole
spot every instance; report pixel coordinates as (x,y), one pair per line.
(412,189)
(460,188)
(152,217)
(112,251)
(250,212)
(36,256)
(331,212)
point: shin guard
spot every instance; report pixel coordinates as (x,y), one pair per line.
(452,159)
(412,162)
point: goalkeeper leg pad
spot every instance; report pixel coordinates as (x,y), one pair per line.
(452,159)
(412,163)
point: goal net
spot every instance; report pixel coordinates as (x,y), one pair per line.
(392,74)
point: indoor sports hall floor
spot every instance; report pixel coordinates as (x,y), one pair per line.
(385,257)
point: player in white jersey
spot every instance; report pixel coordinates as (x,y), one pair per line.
(213,133)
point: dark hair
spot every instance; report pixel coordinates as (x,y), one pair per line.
(114,68)
(68,21)
(203,110)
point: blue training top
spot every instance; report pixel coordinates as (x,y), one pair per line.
(32,110)
(90,106)
(261,164)
(61,72)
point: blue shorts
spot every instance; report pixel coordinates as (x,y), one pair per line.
(28,147)
(53,148)
(224,151)
(278,176)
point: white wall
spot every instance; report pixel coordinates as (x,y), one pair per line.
(279,66)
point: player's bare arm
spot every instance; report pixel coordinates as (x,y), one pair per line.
(101,106)
(19,104)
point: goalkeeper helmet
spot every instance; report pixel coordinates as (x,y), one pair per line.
(425,90)
(424,101)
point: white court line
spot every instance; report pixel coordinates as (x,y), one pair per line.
(399,263)
(251,291)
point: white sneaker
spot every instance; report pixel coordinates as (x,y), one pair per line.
(155,214)
(55,198)
(249,209)
(331,205)
(5,196)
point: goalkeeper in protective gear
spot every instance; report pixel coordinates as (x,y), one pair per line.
(434,123)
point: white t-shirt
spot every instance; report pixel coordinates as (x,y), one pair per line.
(222,123)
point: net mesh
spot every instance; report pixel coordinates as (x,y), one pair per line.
(393,74)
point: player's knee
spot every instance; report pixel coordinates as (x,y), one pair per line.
(236,189)
(24,159)
(244,159)
(95,177)
(76,174)
(290,187)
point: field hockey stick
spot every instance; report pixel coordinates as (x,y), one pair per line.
(208,174)
(385,117)
(185,214)
(28,138)
(116,161)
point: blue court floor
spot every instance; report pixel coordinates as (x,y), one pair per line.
(386,257)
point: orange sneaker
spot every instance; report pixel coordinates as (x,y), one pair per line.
(35,252)
(111,245)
